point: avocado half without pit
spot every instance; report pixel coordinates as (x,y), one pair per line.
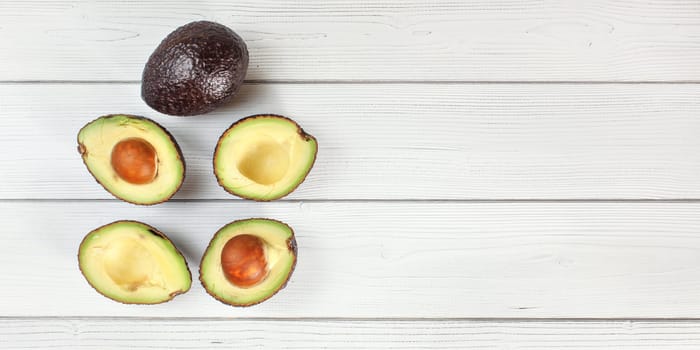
(263,157)
(133,158)
(133,263)
(248,261)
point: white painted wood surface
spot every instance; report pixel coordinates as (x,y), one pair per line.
(395,141)
(130,334)
(491,40)
(478,159)
(389,259)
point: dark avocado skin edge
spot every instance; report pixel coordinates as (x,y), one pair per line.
(82,151)
(183,75)
(153,231)
(306,137)
(291,245)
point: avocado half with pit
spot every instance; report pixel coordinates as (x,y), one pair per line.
(248,261)
(264,157)
(133,263)
(133,158)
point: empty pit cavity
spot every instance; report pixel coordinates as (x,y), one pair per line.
(127,263)
(265,162)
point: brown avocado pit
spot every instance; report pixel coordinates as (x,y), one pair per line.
(195,69)
(243,260)
(135,160)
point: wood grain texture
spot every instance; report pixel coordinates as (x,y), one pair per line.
(394,141)
(388,259)
(502,40)
(328,334)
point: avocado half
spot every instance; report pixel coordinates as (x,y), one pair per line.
(133,158)
(133,263)
(195,69)
(248,261)
(264,157)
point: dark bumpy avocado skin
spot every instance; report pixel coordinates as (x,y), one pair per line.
(195,69)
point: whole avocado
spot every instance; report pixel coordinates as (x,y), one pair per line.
(195,69)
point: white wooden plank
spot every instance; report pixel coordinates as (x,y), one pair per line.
(388,259)
(339,334)
(500,40)
(394,141)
